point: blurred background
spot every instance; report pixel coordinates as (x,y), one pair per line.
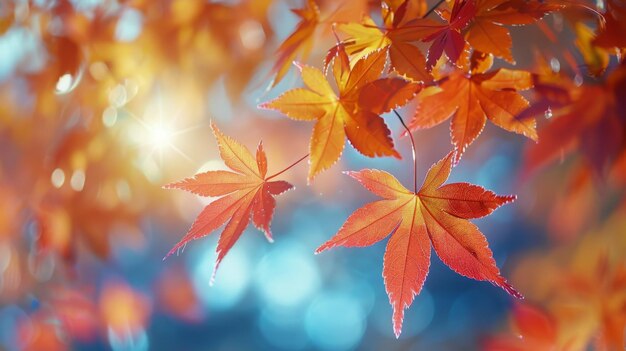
(102,102)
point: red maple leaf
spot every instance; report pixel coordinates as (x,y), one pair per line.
(245,193)
(437,214)
(447,38)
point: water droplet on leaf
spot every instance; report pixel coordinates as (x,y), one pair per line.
(548,113)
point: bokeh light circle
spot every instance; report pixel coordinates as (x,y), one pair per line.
(335,321)
(287,275)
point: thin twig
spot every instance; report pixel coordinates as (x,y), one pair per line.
(408,131)
(413,150)
(288,168)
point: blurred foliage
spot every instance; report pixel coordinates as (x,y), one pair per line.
(104,101)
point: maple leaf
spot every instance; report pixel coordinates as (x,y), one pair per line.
(447,37)
(590,119)
(395,38)
(473,97)
(486,32)
(353,113)
(435,214)
(245,193)
(298,42)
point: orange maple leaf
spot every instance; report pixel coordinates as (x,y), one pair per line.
(471,98)
(299,42)
(353,113)
(395,38)
(313,19)
(245,193)
(486,32)
(435,214)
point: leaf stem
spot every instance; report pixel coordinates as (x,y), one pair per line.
(288,168)
(408,131)
(413,150)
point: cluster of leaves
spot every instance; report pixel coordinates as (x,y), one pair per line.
(453,80)
(460,86)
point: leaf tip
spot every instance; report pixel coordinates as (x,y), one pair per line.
(507,198)
(171,252)
(215,130)
(298,65)
(397,319)
(513,292)
(397,328)
(172,185)
(533,136)
(272,84)
(212,280)
(264,105)
(509,288)
(351,174)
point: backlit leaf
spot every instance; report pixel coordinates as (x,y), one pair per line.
(246,193)
(436,214)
